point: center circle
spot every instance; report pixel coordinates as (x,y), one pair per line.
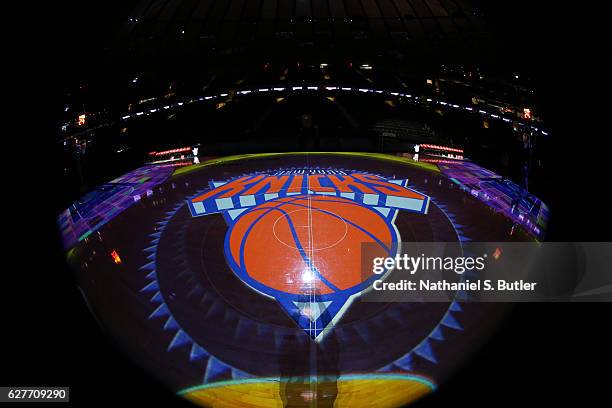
(321,230)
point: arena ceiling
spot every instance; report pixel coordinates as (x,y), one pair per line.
(176,28)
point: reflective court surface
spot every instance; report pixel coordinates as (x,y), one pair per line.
(236,282)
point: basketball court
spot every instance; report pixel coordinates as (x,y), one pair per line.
(238,281)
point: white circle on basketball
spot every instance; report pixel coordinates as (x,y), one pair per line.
(323,227)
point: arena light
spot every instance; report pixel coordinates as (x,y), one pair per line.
(171,151)
(442,148)
(116,258)
(414,99)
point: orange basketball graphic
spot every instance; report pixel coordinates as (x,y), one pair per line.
(297,235)
(306,243)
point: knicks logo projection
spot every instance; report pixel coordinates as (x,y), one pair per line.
(296,235)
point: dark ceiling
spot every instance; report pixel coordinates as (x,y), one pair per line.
(162,33)
(178,26)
